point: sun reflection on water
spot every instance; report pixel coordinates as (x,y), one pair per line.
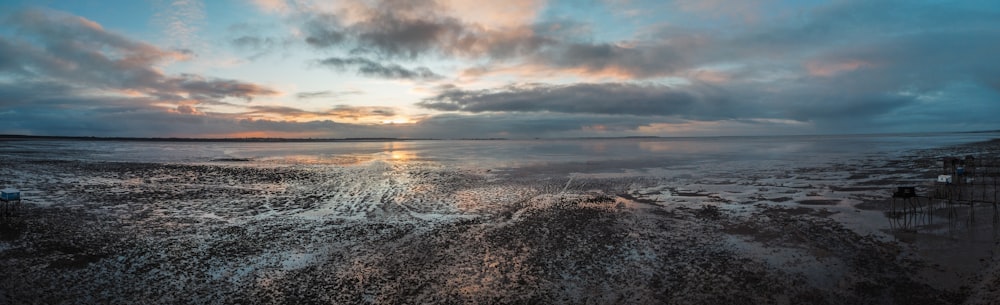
(399,151)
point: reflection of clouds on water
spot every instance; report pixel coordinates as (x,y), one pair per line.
(686,147)
(493,154)
(727,146)
(595,147)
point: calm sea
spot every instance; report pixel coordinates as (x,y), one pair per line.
(585,154)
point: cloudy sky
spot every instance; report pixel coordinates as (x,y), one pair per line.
(512,68)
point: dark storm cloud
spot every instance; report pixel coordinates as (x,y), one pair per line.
(40,93)
(635,62)
(51,109)
(526,125)
(76,51)
(144,121)
(854,66)
(324,30)
(30,110)
(414,29)
(919,46)
(389,36)
(411,30)
(374,69)
(602,98)
(850,65)
(394,29)
(66,75)
(200,88)
(417,28)
(74,115)
(386,33)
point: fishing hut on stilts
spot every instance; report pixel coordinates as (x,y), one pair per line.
(963,186)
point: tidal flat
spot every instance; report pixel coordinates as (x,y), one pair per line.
(631,221)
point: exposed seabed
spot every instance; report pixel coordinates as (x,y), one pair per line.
(388,231)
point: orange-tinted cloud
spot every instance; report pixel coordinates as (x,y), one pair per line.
(493,15)
(368,114)
(824,69)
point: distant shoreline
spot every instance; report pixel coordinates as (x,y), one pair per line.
(4,137)
(172,139)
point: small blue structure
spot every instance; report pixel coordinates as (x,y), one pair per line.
(10,194)
(10,201)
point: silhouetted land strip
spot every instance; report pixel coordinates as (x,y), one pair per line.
(65,138)
(10,137)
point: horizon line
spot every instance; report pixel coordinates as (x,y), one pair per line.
(394,139)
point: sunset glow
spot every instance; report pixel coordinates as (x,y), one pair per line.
(520,69)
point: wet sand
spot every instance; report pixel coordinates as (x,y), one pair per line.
(383,231)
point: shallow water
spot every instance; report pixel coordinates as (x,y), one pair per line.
(557,156)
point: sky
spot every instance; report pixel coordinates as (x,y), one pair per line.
(488,69)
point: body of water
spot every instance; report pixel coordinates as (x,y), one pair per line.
(588,154)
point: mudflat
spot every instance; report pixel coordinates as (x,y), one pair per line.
(390,231)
